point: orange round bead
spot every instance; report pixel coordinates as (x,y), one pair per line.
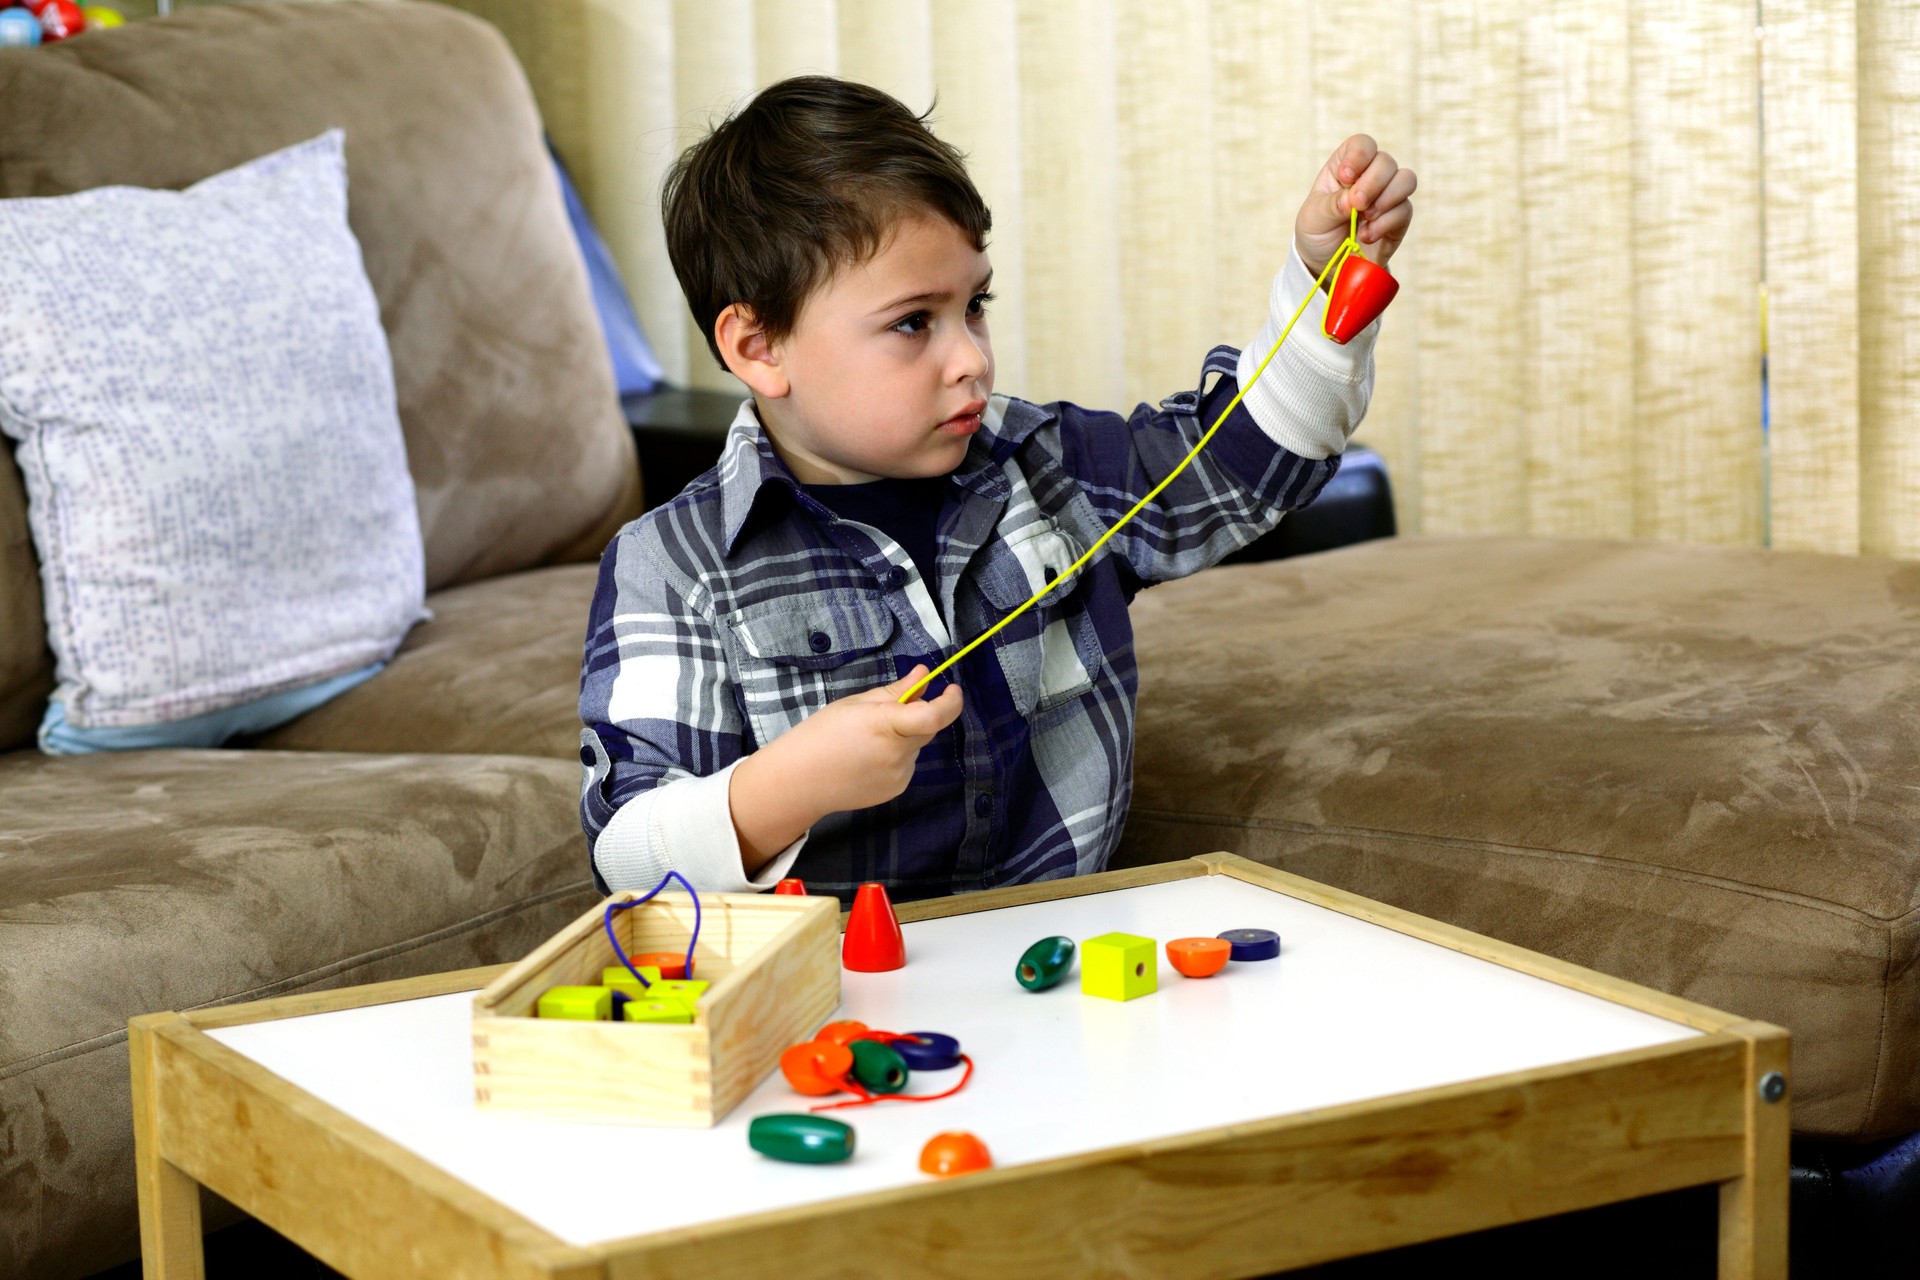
(672,964)
(947,1154)
(816,1067)
(842,1032)
(1199,957)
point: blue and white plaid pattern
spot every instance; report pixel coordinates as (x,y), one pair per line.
(731,613)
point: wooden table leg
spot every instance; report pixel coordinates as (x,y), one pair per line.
(1753,1207)
(170,1235)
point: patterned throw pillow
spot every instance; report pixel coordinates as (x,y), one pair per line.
(216,480)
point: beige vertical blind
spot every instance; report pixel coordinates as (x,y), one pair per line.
(1577,349)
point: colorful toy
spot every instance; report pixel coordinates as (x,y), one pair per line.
(671,964)
(927,1051)
(1199,957)
(59,19)
(18,29)
(1360,292)
(1044,964)
(948,1154)
(686,989)
(801,1139)
(872,943)
(817,1067)
(656,1009)
(878,1066)
(841,1032)
(579,1004)
(616,978)
(1253,944)
(791,885)
(101,18)
(1118,966)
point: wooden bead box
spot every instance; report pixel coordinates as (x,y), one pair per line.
(774,961)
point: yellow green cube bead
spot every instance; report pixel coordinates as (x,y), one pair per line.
(651,1008)
(579,1004)
(616,977)
(1119,966)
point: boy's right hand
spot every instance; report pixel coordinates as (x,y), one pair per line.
(861,749)
(850,754)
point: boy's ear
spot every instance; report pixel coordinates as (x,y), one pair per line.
(749,356)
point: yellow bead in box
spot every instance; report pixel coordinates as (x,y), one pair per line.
(688,989)
(620,979)
(656,1009)
(578,1004)
(1119,966)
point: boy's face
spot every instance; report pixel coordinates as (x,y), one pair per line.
(889,364)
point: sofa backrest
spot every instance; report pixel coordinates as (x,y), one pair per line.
(517,445)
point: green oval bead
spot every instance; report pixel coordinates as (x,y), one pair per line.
(801,1139)
(1043,964)
(878,1066)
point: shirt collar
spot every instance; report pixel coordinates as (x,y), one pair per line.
(748,463)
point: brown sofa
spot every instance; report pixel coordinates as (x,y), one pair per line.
(427,821)
(1697,768)
(1692,767)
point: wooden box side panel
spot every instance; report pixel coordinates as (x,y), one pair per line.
(783,996)
(594,1071)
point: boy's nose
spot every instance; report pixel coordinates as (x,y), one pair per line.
(969,361)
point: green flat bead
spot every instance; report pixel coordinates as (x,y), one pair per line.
(801,1139)
(878,1066)
(1044,964)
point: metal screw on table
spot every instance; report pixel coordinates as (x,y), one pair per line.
(1773,1086)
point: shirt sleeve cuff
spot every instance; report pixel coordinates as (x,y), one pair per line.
(1292,398)
(685,826)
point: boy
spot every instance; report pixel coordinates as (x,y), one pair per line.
(876,507)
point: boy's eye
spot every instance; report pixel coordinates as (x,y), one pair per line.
(917,322)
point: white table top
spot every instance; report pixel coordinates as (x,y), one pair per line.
(1350,1011)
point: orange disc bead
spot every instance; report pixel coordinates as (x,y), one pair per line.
(1199,957)
(947,1154)
(843,1032)
(817,1067)
(672,964)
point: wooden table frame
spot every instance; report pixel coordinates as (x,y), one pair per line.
(1360,1177)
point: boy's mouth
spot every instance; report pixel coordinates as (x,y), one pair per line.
(966,422)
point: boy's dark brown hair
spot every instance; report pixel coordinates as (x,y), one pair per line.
(808,177)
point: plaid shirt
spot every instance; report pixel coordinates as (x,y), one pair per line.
(728,615)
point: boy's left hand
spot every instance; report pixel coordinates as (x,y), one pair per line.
(1358,175)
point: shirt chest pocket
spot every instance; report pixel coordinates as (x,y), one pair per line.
(1050,654)
(794,656)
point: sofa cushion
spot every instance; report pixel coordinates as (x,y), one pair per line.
(1696,768)
(497,669)
(514,436)
(176,880)
(221,517)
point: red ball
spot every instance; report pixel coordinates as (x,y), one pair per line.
(59,19)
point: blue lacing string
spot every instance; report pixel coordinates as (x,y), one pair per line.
(628,906)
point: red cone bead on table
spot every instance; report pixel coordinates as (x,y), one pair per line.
(873,943)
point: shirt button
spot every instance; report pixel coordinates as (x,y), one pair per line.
(982,806)
(896,578)
(820,641)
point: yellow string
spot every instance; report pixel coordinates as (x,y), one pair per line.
(1348,247)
